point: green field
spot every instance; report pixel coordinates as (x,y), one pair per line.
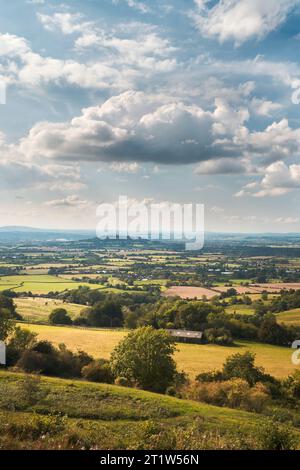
(36,309)
(98,416)
(40,283)
(241,309)
(190,358)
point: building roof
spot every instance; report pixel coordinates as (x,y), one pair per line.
(186,334)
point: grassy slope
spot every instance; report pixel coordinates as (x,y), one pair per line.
(107,416)
(38,309)
(191,358)
(290,317)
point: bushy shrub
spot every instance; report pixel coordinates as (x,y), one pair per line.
(291,386)
(242,366)
(275,436)
(20,341)
(123,382)
(220,336)
(98,371)
(44,358)
(234,393)
(213,376)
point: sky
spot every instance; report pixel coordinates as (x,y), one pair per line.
(182,101)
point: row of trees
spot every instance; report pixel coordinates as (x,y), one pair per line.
(134,311)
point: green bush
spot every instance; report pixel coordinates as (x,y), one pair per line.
(275,436)
(98,371)
(59,316)
(234,393)
(220,336)
(123,382)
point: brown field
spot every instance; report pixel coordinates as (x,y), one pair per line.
(278,286)
(239,289)
(186,292)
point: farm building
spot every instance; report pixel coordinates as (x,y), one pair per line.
(185,336)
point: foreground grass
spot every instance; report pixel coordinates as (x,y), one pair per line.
(191,358)
(78,414)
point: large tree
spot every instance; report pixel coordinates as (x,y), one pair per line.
(145,358)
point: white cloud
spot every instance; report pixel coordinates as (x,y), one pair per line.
(241,20)
(67,23)
(136,4)
(121,167)
(30,69)
(137,126)
(264,107)
(140,46)
(287,220)
(69,201)
(279,179)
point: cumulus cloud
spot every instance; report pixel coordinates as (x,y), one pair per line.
(21,65)
(135,126)
(279,179)
(241,20)
(18,173)
(277,141)
(139,127)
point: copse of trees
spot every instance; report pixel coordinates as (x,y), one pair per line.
(288,300)
(107,313)
(59,316)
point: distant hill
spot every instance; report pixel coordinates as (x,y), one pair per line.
(19,234)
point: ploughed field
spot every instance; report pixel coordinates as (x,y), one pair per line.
(191,358)
(187,292)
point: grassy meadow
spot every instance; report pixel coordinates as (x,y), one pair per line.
(290,317)
(38,309)
(191,358)
(72,414)
(40,283)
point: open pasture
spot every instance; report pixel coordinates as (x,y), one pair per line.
(40,284)
(239,309)
(290,317)
(37,309)
(191,358)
